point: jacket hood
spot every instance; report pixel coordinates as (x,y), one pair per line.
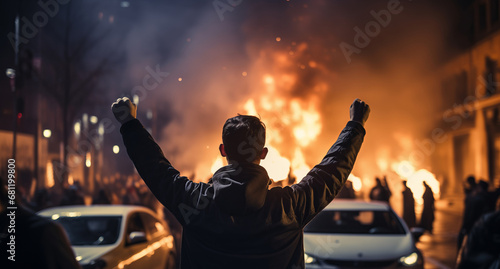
(240,188)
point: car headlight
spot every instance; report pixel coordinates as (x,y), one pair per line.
(410,260)
(309,259)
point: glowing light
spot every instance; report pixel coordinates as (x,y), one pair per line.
(73,214)
(47,133)
(307,126)
(135,99)
(277,166)
(404,169)
(278,39)
(70,180)
(159,227)
(356,182)
(244,74)
(11,73)
(148,251)
(179,79)
(55,216)
(299,166)
(124,4)
(268,79)
(85,119)
(88,161)
(313,64)
(77,127)
(250,107)
(415,180)
(410,259)
(218,163)
(93,119)
(49,176)
(79,258)
(116,149)
(100,129)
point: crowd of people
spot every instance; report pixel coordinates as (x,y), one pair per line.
(479,236)
(117,189)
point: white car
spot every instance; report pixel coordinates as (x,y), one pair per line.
(116,236)
(359,234)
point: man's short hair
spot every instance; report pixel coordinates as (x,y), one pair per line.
(243,137)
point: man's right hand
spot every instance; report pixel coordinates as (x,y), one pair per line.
(359,111)
(124,110)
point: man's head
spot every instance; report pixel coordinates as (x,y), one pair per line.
(243,139)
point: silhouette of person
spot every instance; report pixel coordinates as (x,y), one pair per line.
(380,192)
(236,221)
(408,206)
(347,192)
(39,242)
(481,246)
(470,185)
(427,218)
(476,204)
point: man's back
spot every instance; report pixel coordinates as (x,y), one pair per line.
(235,218)
(235,221)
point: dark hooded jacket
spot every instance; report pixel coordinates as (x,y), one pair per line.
(236,221)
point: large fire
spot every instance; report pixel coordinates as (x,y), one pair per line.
(415,179)
(294,121)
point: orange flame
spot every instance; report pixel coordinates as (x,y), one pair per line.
(415,179)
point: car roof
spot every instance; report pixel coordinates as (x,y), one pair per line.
(94,210)
(351,204)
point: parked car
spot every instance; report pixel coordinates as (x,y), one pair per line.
(359,234)
(116,236)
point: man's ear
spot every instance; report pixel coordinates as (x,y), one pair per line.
(263,154)
(222,150)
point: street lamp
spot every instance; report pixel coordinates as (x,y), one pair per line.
(47,133)
(93,119)
(116,149)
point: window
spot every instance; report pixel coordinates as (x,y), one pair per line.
(482,17)
(91,230)
(494,11)
(355,222)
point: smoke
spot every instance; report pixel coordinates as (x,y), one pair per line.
(217,66)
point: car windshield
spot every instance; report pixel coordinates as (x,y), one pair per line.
(355,222)
(91,230)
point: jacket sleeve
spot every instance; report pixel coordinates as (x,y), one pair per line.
(175,192)
(318,188)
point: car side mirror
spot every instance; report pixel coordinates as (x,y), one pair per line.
(136,237)
(417,232)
